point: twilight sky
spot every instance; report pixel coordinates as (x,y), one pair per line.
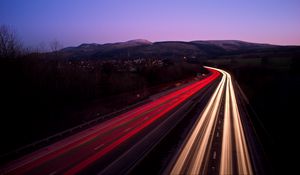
(73,22)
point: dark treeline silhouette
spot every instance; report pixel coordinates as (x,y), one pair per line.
(89,79)
(9,44)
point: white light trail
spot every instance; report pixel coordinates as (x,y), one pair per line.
(193,158)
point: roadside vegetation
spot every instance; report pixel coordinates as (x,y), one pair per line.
(44,93)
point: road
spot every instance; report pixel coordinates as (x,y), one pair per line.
(217,143)
(115,139)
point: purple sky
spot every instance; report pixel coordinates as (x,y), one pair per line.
(73,22)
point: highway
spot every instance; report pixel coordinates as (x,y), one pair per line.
(216,141)
(219,119)
(120,137)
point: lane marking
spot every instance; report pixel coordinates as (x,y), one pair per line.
(53,173)
(126,130)
(98,147)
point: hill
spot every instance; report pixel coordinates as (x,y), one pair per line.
(169,49)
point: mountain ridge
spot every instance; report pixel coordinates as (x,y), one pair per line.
(165,49)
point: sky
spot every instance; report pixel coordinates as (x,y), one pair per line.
(73,22)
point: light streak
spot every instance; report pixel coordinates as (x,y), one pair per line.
(193,156)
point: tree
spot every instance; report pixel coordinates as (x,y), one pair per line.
(10,47)
(55,46)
